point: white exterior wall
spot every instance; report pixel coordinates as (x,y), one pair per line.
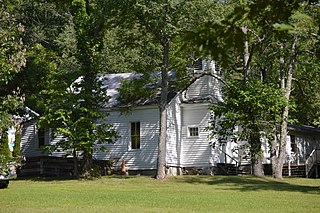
(196,151)
(204,87)
(29,141)
(173,145)
(305,143)
(183,150)
(136,159)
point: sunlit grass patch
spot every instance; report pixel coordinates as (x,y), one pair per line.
(175,194)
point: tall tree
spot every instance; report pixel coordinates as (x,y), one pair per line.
(164,22)
(65,39)
(299,40)
(43,22)
(252,39)
(12,60)
(74,108)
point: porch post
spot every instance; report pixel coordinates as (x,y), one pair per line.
(289,169)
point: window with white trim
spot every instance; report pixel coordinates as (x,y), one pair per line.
(193,131)
(135,135)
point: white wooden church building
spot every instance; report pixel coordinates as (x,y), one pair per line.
(187,146)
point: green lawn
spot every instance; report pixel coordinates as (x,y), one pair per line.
(176,194)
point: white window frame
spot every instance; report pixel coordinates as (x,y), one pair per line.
(190,128)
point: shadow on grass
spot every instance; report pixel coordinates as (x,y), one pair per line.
(251,183)
(64,178)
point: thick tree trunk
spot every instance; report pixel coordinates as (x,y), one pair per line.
(258,168)
(161,161)
(256,153)
(87,165)
(161,167)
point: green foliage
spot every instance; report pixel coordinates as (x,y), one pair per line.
(247,112)
(137,91)
(12,60)
(43,22)
(39,75)
(267,41)
(306,94)
(4,147)
(73,97)
(77,124)
(304,26)
(17,142)
(129,50)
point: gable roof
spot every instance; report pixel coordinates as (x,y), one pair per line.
(113,82)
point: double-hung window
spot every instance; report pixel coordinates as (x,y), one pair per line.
(135,135)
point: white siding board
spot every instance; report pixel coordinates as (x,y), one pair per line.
(173,154)
(196,151)
(305,144)
(204,87)
(29,145)
(146,156)
(29,140)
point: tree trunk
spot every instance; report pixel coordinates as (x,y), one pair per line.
(254,139)
(256,153)
(258,168)
(246,54)
(278,158)
(75,164)
(87,165)
(161,161)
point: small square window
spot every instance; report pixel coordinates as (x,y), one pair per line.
(193,131)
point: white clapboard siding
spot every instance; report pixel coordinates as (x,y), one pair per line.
(146,156)
(29,140)
(30,144)
(305,143)
(204,87)
(173,143)
(196,151)
(59,152)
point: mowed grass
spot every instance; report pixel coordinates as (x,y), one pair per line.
(175,194)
